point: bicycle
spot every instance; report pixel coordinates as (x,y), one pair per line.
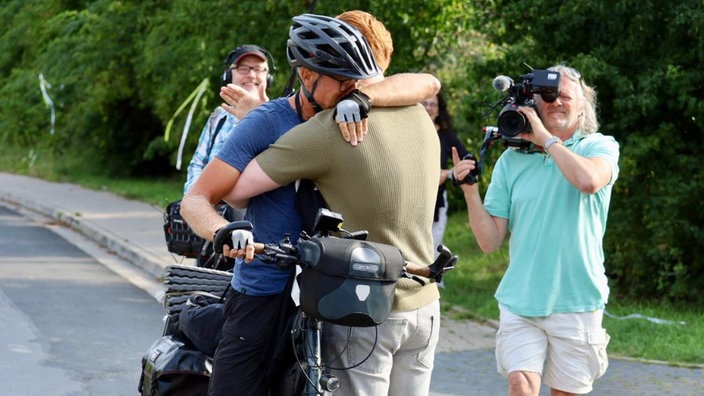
(359,276)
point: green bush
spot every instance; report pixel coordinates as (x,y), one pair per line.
(644,62)
(119,70)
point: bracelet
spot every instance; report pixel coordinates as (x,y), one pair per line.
(551,141)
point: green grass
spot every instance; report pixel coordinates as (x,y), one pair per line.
(469,288)
(43,163)
(677,342)
(154,191)
(469,291)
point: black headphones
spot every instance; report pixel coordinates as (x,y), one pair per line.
(239,51)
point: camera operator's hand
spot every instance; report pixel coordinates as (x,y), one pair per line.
(464,171)
(539,134)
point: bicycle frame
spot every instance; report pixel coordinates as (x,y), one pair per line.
(311,365)
(306,329)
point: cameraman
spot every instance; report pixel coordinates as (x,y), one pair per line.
(555,204)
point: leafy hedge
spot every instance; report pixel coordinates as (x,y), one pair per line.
(119,69)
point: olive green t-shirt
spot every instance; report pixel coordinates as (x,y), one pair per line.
(386,185)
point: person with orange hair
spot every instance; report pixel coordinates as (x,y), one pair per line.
(390,192)
(330,57)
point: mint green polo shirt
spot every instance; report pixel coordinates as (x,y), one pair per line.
(556,232)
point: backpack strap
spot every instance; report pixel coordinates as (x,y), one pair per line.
(308,201)
(215,134)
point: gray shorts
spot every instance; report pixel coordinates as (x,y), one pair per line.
(567,349)
(394,358)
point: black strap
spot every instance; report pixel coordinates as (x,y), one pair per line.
(288,89)
(308,200)
(215,134)
(299,110)
(310,95)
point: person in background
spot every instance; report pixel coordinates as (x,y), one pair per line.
(436,107)
(247,72)
(554,202)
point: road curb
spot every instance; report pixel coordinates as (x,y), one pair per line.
(104,238)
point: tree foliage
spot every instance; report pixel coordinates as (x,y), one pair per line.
(119,69)
(644,60)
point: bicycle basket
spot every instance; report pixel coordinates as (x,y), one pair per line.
(348,282)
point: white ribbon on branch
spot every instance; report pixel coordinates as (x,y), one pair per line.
(193,98)
(648,318)
(43,85)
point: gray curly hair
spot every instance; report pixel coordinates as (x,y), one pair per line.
(588,123)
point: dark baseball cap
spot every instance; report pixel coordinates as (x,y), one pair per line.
(248,49)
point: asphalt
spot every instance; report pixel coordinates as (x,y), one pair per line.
(133,231)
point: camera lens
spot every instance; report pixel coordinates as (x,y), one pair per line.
(512,122)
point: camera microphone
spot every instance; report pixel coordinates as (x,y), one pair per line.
(502,83)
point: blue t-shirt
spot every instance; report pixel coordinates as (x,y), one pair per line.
(556,231)
(273,214)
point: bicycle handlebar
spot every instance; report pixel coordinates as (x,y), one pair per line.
(285,254)
(444,263)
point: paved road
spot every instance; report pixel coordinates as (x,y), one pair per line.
(473,372)
(69,326)
(131,231)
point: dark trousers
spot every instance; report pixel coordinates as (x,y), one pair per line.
(246,357)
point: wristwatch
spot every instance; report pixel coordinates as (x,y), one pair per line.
(551,141)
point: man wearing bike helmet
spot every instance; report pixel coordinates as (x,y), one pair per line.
(386,186)
(331,57)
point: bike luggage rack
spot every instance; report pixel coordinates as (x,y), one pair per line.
(184,281)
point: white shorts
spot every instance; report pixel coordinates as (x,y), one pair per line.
(567,349)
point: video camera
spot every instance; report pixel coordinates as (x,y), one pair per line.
(512,123)
(545,83)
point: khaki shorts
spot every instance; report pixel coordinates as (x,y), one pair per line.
(567,349)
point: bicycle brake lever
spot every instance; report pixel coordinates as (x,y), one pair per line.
(406,275)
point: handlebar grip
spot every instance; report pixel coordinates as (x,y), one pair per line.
(224,233)
(445,253)
(259,247)
(415,269)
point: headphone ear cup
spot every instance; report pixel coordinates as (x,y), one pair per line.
(226,77)
(272,68)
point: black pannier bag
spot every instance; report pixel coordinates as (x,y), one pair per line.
(180,239)
(172,368)
(347,281)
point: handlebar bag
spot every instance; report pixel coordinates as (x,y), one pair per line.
(348,282)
